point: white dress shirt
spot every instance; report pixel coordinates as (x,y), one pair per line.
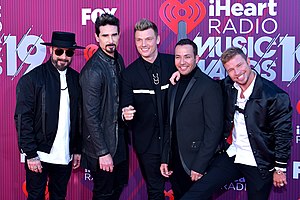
(240,147)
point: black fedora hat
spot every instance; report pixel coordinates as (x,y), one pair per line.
(63,40)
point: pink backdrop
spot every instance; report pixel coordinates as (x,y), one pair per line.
(268,30)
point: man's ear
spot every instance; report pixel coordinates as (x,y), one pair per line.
(197,59)
(158,40)
(96,37)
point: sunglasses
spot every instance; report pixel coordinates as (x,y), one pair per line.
(68,52)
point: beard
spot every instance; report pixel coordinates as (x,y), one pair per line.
(61,66)
(110,48)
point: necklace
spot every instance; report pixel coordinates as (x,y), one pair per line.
(155,78)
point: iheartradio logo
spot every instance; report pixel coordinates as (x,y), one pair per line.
(89,51)
(191,12)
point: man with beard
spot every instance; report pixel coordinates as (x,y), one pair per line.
(104,150)
(47,120)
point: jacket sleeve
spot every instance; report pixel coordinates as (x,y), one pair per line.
(77,149)
(91,82)
(126,94)
(24,116)
(126,90)
(213,127)
(166,146)
(280,115)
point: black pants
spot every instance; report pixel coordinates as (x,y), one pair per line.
(150,167)
(222,171)
(109,185)
(58,177)
(180,180)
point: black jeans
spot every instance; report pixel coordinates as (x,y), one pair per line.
(150,168)
(109,185)
(58,177)
(223,170)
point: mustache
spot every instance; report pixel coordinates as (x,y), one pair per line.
(110,45)
(64,60)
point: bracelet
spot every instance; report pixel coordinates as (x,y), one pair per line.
(34,159)
(279,172)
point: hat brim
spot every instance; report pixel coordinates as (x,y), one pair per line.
(62,46)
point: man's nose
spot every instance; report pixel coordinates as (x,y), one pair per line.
(182,61)
(111,39)
(237,71)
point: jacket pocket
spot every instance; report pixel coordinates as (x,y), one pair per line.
(195,145)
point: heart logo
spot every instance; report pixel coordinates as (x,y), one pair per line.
(169,194)
(192,12)
(298,107)
(89,51)
(26,193)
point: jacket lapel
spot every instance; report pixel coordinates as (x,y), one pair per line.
(196,76)
(145,77)
(187,90)
(173,91)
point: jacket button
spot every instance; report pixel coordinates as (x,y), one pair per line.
(159,138)
(255,153)
(231,121)
(246,116)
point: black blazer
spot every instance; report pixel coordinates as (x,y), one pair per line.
(199,122)
(137,90)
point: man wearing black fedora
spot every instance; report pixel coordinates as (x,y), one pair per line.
(47,120)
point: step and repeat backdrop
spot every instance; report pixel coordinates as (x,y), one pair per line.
(267,30)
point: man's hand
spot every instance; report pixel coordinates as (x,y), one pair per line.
(128,112)
(165,171)
(195,176)
(34,164)
(106,163)
(279,178)
(76,161)
(175,77)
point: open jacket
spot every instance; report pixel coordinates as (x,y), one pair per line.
(37,109)
(199,122)
(138,91)
(99,80)
(268,118)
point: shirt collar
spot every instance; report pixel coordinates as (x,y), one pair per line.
(149,65)
(249,90)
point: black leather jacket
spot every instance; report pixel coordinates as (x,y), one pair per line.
(268,118)
(99,80)
(37,109)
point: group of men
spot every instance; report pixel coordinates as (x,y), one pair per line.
(198,132)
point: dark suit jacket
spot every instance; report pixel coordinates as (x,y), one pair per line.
(137,90)
(199,122)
